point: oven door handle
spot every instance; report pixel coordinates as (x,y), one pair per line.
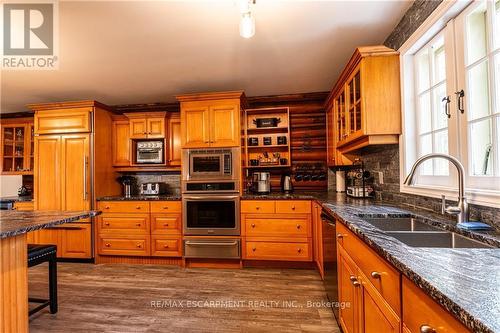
(218,197)
(208,244)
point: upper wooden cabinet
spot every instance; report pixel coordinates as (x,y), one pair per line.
(121,141)
(211,119)
(174,140)
(147,125)
(17,146)
(364,104)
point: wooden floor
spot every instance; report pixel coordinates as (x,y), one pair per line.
(118,298)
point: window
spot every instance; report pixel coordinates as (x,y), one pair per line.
(451,100)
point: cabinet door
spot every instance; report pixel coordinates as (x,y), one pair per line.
(348,294)
(76,240)
(29,148)
(50,236)
(138,128)
(47,174)
(156,127)
(224,121)
(195,127)
(121,143)
(354,103)
(377,315)
(318,238)
(330,135)
(174,140)
(75,172)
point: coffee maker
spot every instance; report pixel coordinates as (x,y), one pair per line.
(261,182)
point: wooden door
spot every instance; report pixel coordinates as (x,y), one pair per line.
(138,128)
(121,143)
(224,121)
(195,127)
(376,314)
(47,173)
(174,141)
(75,240)
(75,172)
(156,127)
(348,294)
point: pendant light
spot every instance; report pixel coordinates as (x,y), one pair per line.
(247,22)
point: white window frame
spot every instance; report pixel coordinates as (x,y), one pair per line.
(436,22)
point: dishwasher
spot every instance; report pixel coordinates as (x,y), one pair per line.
(330,261)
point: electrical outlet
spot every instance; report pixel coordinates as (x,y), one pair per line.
(380,177)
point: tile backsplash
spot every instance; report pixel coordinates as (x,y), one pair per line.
(385,159)
(173,180)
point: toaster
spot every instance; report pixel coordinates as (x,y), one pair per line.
(153,188)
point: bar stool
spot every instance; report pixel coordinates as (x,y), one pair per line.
(38,254)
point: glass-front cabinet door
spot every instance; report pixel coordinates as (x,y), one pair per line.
(17,148)
(354,113)
(340,113)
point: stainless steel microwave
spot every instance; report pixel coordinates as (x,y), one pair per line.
(201,164)
(149,152)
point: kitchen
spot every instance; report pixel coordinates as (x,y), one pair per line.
(363,197)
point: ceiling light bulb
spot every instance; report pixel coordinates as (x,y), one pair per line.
(247,26)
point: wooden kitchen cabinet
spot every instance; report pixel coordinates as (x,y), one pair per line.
(121,142)
(277,230)
(348,294)
(419,310)
(24,205)
(174,140)
(17,146)
(211,119)
(148,125)
(318,238)
(75,240)
(363,113)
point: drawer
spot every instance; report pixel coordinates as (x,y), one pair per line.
(419,309)
(278,251)
(258,206)
(293,206)
(24,205)
(123,206)
(385,278)
(125,223)
(166,224)
(166,206)
(222,248)
(126,245)
(62,121)
(279,227)
(166,247)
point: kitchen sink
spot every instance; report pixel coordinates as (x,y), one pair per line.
(443,239)
(400,224)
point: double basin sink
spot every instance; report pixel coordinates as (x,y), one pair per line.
(416,233)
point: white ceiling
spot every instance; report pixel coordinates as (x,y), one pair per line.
(145,52)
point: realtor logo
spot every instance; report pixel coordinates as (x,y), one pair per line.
(28,36)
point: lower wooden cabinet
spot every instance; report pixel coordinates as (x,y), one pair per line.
(349,294)
(278,251)
(73,240)
(139,228)
(24,205)
(421,313)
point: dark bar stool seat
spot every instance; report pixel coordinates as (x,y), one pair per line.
(38,254)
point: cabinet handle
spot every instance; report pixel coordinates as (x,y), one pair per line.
(138,224)
(257,208)
(356,283)
(85,178)
(427,329)
(107,223)
(165,246)
(165,207)
(352,278)
(107,245)
(298,226)
(165,225)
(107,207)
(207,141)
(293,207)
(138,207)
(299,250)
(139,245)
(254,249)
(253,225)
(376,275)
(340,236)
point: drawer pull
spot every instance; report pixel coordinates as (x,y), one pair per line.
(427,329)
(293,207)
(107,223)
(298,226)
(299,250)
(253,225)
(257,208)
(107,245)
(353,278)
(138,224)
(254,249)
(107,207)
(356,283)
(165,225)
(341,236)
(138,207)
(165,246)
(139,245)
(165,207)
(376,275)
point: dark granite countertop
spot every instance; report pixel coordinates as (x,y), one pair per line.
(13,223)
(280,196)
(466,282)
(16,199)
(166,197)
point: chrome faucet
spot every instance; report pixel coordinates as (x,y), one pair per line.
(461,210)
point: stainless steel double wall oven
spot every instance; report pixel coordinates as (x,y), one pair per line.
(210,202)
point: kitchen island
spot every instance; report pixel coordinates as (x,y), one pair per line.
(13,261)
